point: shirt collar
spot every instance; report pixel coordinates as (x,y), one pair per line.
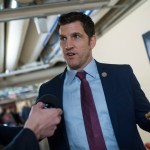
(90,69)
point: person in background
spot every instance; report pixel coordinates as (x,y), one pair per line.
(40,124)
(119,102)
(7,117)
(17,118)
(1,114)
(25,111)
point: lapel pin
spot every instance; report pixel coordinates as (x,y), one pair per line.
(147,115)
(104,74)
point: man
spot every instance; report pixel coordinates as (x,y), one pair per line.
(120,103)
(40,124)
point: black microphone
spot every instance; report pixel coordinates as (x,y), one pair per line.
(50,101)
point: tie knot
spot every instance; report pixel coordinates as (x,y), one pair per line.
(81,75)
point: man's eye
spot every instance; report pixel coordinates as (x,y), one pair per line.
(76,36)
(62,38)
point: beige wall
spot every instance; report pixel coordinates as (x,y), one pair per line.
(123,44)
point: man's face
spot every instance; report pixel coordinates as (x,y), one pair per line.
(76,45)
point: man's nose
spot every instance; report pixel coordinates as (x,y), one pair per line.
(69,44)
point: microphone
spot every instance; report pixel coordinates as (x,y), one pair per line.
(50,101)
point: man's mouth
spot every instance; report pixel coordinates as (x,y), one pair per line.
(70,54)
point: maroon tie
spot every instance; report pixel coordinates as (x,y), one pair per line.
(90,117)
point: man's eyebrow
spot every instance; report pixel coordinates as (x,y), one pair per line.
(72,34)
(76,33)
(61,35)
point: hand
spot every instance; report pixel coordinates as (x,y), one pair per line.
(43,122)
(147,145)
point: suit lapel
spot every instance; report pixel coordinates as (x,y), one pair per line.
(60,96)
(106,79)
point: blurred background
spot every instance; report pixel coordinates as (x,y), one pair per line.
(30,52)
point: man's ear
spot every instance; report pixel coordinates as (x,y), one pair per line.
(93,41)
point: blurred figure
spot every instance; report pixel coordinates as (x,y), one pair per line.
(25,111)
(7,117)
(1,112)
(18,120)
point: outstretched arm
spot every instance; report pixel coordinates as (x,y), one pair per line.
(40,124)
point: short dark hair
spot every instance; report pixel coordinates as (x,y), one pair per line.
(86,21)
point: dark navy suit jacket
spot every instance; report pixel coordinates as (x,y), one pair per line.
(127,106)
(126,103)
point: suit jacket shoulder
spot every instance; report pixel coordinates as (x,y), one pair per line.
(53,86)
(116,72)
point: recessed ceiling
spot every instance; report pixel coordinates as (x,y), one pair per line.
(29,43)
